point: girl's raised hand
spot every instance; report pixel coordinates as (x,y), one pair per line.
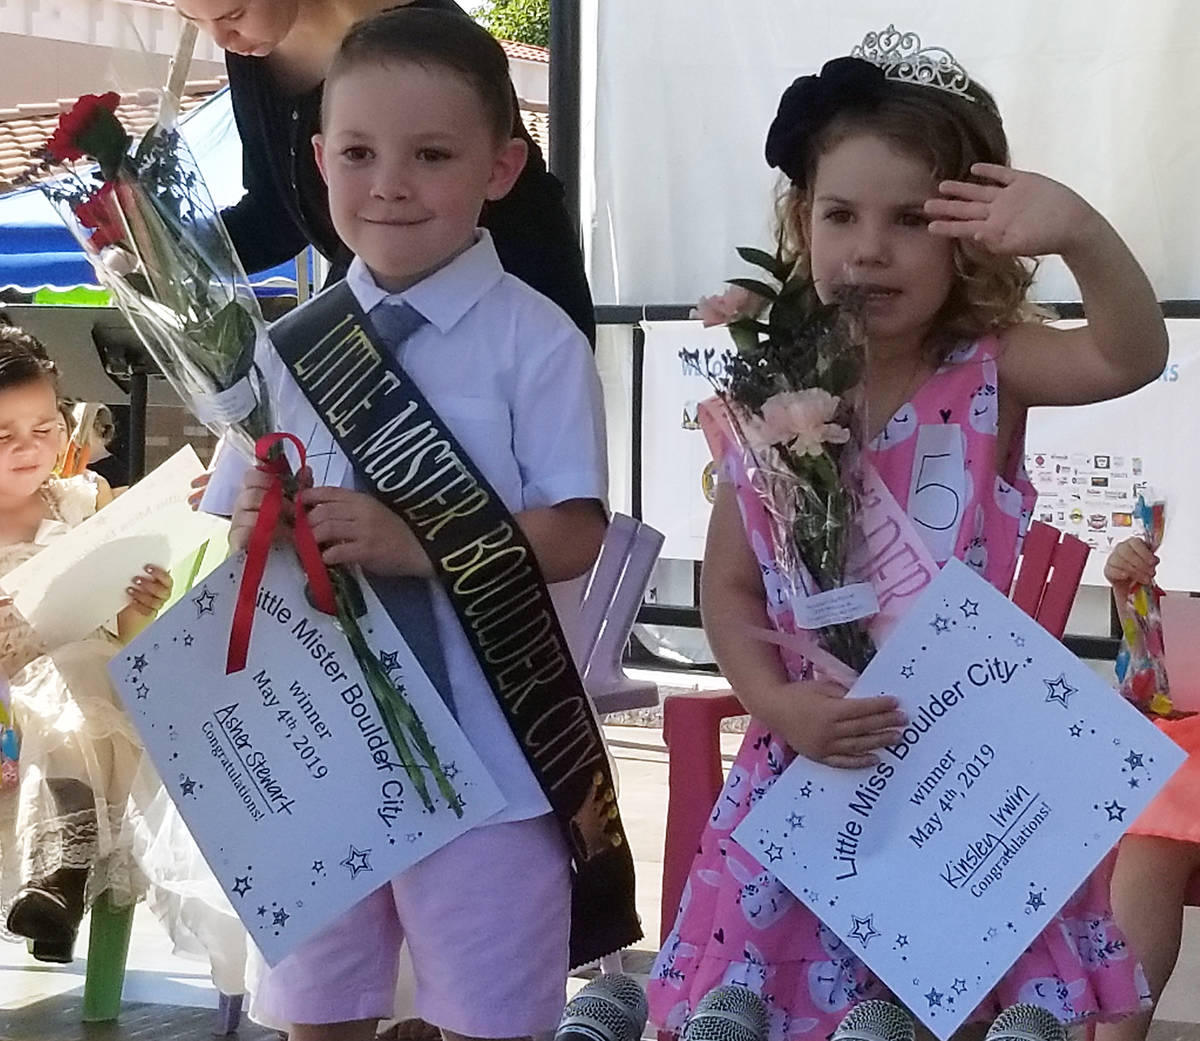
(1011,212)
(821,723)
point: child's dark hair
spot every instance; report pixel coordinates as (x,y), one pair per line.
(23,359)
(435,38)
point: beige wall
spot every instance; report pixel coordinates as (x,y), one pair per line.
(34,71)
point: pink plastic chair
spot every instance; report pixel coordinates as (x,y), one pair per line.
(1050,569)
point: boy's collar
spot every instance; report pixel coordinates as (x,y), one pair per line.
(443,297)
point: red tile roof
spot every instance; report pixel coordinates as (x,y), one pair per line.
(24,129)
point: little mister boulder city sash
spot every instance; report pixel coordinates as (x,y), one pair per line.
(414,464)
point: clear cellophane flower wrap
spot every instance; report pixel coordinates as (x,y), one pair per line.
(148,224)
(1141,664)
(791,387)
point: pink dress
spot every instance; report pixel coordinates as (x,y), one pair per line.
(736,921)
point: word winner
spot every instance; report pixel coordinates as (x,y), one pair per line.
(993,672)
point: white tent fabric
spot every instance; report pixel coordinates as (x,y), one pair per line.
(1100,94)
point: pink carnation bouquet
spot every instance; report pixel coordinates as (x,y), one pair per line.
(789,388)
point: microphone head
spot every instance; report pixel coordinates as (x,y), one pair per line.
(875,1021)
(1026,1023)
(609,1008)
(728,1013)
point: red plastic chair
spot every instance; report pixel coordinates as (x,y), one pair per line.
(1050,569)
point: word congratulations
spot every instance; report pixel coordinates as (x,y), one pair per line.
(976,675)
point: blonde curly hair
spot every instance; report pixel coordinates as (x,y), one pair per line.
(951,134)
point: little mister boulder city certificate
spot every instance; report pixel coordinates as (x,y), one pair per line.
(284,772)
(1018,771)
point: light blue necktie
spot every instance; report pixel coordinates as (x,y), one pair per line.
(409,600)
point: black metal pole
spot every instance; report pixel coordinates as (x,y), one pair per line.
(138,386)
(637,393)
(565,47)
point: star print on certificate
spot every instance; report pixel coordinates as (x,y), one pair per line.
(864,929)
(959,986)
(356,861)
(934,997)
(774,852)
(241,885)
(1134,759)
(1076,730)
(1059,690)
(204,602)
(139,663)
(389,662)
(795,820)
(188,639)
(969,608)
(280,918)
(906,671)
(1115,811)
(940,624)
(1036,901)
(187,786)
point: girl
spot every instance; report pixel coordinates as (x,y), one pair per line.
(79,752)
(900,187)
(1161,851)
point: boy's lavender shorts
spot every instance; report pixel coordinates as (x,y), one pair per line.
(486,919)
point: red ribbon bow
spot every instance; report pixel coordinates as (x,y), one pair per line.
(259,546)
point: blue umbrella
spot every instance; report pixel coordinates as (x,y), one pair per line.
(37,251)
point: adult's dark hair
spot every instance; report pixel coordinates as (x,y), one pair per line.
(23,359)
(434,38)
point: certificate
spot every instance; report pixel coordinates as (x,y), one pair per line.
(284,772)
(78,582)
(1018,771)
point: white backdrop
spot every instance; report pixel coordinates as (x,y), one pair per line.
(1101,94)
(1088,463)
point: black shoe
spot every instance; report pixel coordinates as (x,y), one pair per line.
(49,913)
(58,953)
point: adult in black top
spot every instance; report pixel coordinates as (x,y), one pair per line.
(276,52)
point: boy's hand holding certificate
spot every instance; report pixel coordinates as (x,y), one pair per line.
(1018,771)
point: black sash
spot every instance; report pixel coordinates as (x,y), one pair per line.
(403,449)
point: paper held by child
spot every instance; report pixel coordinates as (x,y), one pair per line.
(291,752)
(77,584)
(1016,774)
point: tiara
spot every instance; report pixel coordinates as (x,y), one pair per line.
(902,58)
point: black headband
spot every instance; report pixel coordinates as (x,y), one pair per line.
(808,105)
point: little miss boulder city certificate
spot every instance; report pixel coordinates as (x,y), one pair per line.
(1018,771)
(284,772)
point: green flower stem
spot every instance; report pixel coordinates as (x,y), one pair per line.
(398,713)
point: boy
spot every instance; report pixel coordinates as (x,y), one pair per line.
(416,134)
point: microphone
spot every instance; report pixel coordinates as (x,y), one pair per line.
(609,1008)
(728,1013)
(876,1021)
(1026,1023)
